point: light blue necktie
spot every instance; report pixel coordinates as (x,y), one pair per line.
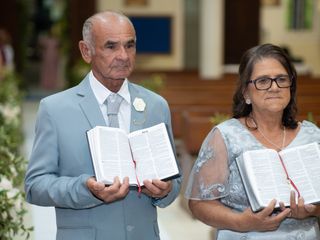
(113,104)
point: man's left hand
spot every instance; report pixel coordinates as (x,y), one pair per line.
(157,188)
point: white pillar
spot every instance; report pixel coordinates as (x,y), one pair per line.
(211,38)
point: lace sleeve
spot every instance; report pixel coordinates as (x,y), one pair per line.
(208,179)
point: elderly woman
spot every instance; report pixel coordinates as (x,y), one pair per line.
(264,112)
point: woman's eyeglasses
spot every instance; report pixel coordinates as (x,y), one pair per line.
(264,83)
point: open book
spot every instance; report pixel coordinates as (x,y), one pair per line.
(140,155)
(267,175)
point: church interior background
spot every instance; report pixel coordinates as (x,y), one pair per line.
(196,49)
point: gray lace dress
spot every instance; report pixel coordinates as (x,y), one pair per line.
(215,176)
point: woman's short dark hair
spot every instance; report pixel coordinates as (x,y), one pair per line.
(248,60)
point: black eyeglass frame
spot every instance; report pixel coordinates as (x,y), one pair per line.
(272,80)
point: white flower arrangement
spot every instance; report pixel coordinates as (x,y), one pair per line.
(9,112)
(5,184)
(12,193)
(139,104)
(12,164)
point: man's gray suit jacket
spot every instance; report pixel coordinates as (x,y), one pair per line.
(60,165)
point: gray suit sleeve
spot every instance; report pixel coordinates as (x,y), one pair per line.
(43,184)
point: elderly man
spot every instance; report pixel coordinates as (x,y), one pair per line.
(60,172)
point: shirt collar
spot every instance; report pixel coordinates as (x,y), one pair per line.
(101,92)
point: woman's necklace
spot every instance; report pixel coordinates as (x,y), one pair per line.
(255,127)
(273,144)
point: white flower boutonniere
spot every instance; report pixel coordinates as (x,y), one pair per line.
(139,104)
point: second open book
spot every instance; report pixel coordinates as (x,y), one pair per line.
(268,175)
(141,155)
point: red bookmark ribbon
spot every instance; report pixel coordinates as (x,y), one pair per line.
(288,178)
(135,167)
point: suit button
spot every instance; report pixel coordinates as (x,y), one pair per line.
(130,228)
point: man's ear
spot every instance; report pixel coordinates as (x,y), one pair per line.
(85,51)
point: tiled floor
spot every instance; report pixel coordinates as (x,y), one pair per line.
(175,221)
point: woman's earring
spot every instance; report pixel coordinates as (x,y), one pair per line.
(248,101)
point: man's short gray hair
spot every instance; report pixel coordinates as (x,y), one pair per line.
(88,25)
(87,33)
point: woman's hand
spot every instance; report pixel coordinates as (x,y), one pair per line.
(264,220)
(298,209)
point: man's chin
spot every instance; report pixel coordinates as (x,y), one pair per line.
(122,73)
(120,78)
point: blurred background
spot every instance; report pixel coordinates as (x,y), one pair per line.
(187,50)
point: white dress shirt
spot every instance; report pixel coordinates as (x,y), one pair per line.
(101,93)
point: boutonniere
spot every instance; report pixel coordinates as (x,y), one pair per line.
(139,104)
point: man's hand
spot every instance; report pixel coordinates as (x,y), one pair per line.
(110,193)
(157,188)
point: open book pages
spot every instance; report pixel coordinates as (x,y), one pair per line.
(140,155)
(268,175)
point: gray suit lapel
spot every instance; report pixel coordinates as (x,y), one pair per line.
(89,104)
(138,119)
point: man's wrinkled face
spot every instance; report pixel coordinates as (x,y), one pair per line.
(114,49)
